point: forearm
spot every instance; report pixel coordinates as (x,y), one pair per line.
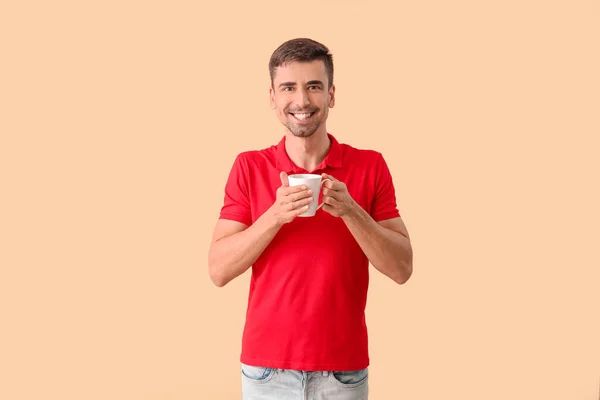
(232,255)
(387,250)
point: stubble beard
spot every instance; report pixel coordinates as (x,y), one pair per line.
(301,130)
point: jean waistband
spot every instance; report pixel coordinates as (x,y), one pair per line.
(324,373)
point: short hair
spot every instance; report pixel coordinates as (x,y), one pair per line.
(301,49)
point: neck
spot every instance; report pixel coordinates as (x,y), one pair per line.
(308,152)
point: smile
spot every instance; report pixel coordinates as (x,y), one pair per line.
(303,117)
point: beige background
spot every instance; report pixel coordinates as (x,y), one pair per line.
(487,113)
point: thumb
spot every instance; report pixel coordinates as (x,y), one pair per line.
(284,179)
(326,176)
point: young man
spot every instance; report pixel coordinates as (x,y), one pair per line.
(305,335)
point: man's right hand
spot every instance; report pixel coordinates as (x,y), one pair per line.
(290,201)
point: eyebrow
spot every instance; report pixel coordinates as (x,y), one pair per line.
(287,84)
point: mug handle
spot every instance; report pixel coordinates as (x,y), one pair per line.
(320,188)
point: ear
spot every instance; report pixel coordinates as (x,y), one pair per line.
(332,96)
(272,97)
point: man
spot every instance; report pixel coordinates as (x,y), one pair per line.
(305,335)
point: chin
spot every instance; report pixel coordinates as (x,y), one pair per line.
(303,134)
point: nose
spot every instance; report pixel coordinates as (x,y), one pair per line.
(302,98)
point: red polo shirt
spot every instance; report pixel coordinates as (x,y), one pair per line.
(308,289)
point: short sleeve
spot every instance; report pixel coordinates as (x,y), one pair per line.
(384,201)
(236,203)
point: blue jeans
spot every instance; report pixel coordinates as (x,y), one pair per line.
(262,383)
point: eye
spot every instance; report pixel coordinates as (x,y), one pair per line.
(314,87)
(287,89)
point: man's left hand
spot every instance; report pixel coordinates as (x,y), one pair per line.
(336,199)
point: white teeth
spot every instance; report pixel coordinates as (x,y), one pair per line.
(301,116)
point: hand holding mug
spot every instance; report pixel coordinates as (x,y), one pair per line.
(314,183)
(336,199)
(290,201)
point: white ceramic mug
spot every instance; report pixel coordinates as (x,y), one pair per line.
(313,182)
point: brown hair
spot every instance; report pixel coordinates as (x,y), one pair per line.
(301,49)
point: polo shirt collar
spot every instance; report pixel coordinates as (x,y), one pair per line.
(333,159)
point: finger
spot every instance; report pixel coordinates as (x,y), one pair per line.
(300,195)
(327,176)
(300,210)
(289,190)
(330,187)
(296,212)
(330,193)
(284,179)
(300,203)
(330,200)
(331,184)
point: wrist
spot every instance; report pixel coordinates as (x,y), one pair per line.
(353,211)
(271,221)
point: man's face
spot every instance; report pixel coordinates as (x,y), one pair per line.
(300,97)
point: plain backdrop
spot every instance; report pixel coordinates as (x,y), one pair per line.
(120,120)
